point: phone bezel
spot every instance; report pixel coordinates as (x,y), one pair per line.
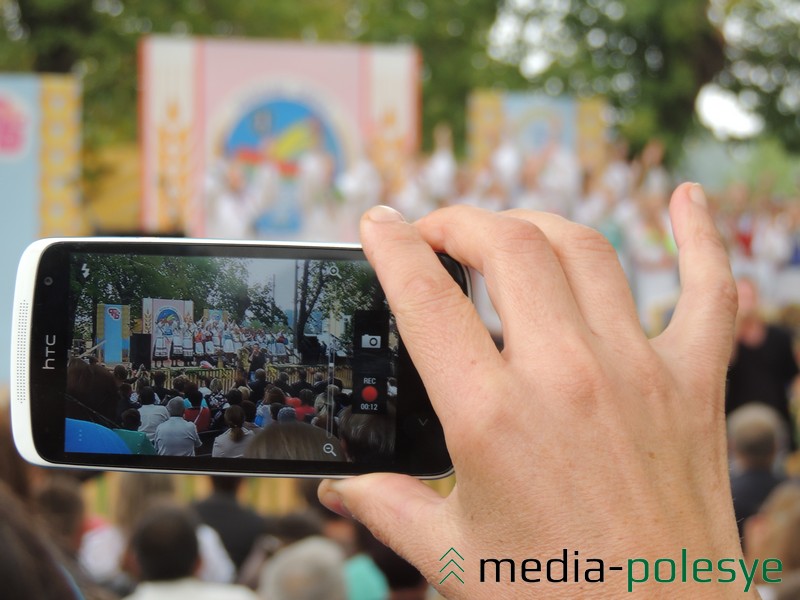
(40,310)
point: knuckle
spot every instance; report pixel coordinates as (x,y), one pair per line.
(581,239)
(428,292)
(516,237)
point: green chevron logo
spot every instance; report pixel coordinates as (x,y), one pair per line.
(451,566)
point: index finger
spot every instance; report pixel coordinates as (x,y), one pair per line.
(437,322)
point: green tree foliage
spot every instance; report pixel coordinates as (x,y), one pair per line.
(334,289)
(211,283)
(651,58)
(452,38)
(98,39)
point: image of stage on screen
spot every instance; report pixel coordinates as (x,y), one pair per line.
(201,354)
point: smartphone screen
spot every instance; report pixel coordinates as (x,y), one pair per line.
(232,358)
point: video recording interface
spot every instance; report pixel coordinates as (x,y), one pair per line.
(229,357)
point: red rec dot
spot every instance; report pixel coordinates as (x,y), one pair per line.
(369,393)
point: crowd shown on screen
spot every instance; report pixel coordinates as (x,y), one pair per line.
(109,412)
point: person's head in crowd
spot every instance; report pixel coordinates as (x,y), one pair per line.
(294,441)
(234,419)
(176,407)
(306,397)
(159,378)
(749,301)
(179,384)
(296,526)
(147,396)
(753,433)
(136,493)
(287,415)
(234,396)
(60,505)
(404,579)
(245,393)
(195,398)
(14,471)
(215,386)
(240,381)
(164,544)
(226,484)
(29,567)
(302,375)
(249,409)
(141,383)
(283,377)
(275,408)
(367,437)
(125,391)
(273,395)
(120,373)
(189,388)
(261,375)
(131,419)
(207,381)
(94,387)
(343,400)
(321,421)
(312,569)
(774,532)
(332,525)
(318,377)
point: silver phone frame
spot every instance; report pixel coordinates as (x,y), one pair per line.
(21,343)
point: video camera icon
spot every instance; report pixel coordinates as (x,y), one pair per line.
(370,342)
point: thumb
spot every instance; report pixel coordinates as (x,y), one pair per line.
(701,329)
(402,512)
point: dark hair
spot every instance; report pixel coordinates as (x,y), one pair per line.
(261,375)
(368,438)
(274,394)
(147,395)
(125,389)
(302,375)
(120,372)
(189,387)
(93,386)
(195,397)
(60,505)
(240,381)
(249,411)
(28,566)
(159,377)
(164,542)
(399,573)
(274,409)
(207,380)
(131,419)
(234,396)
(226,483)
(179,383)
(306,397)
(234,418)
(283,376)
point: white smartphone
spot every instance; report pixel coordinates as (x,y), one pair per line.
(206,356)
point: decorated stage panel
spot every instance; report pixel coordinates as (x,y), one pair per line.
(245,139)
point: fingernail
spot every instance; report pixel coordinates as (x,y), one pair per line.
(697,195)
(384,214)
(333,501)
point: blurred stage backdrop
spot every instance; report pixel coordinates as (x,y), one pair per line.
(269,139)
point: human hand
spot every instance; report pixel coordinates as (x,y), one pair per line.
(582,433)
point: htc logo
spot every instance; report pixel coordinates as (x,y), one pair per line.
(49,343)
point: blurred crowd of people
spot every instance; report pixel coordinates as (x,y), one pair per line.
(156,545)
(626,198)
(305,416)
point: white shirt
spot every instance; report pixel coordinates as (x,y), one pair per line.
(190,588)
(176,437)
(152,416)
(102,550)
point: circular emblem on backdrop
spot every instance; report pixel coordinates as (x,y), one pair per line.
(269,140)
(168,316)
